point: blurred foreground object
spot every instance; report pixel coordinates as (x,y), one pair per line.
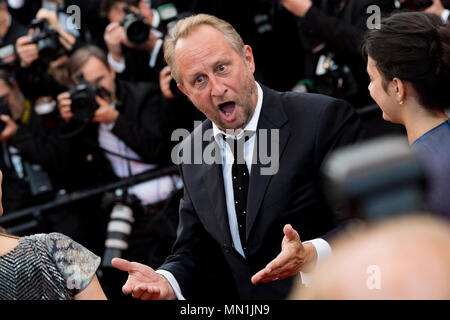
(400,258)
(381,177)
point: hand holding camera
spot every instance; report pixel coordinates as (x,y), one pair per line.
(86,102)
(26,50)
(105,113)
(114,37)
(8,127)
(164,82)
(134,31)
(64,103)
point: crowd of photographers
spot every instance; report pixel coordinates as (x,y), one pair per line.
(86,98)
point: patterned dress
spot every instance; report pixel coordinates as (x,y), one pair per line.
(46,267)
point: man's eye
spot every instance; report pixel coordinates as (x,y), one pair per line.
(199,79)
(221,68)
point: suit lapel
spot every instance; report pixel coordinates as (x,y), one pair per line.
(272,117)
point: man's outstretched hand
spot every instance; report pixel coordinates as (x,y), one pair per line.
(293,258)
(143,282)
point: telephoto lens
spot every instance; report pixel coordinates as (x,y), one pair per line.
(118,231)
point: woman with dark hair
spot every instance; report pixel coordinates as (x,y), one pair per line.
(408,61)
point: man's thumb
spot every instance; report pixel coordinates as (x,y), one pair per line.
(290,233)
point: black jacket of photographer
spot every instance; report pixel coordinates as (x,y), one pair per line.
(341,25)
(141,125)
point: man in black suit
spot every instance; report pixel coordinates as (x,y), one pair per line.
(231,226)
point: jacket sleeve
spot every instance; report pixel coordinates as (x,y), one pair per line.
(339,126)
(142,125)
(343,33)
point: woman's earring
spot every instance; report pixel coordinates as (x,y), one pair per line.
(401,102)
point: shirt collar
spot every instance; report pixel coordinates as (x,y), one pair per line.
(251,125)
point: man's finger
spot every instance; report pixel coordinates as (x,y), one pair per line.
(146,292)
(121,264)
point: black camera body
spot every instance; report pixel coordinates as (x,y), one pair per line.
(47,40)
(83,104)
(136,29)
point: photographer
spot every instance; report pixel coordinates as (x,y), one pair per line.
(43,54)
(117,129)
(24,142)
(135,59)
(10,30)
(338,26)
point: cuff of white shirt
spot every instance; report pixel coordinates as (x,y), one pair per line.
(117,66)
(156,18)
(155,53)
(445,15)
(323,250)
(173,282)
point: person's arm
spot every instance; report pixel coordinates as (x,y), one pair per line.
(93,291)
(342,35)
(66,39)
(147,132)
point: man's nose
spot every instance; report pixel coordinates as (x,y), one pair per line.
(218,88)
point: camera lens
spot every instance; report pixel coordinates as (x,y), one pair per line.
(119,229)
(137,31)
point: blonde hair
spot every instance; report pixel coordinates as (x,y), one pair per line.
(186,26)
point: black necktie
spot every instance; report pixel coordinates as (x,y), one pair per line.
(240,178)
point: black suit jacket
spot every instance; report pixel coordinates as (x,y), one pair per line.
(310,127)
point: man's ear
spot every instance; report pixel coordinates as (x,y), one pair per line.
(249,59)
(183,89)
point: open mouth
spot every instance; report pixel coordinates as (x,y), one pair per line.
(227,108)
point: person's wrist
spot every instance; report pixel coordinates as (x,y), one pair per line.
(116,55)
(310,257)
(170,292)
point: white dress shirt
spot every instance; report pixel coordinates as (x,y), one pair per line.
(148,192)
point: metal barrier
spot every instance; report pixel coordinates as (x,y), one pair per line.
(35,212)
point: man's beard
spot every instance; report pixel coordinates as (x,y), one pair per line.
(246,101)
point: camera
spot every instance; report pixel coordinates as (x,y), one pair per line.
(136,29)
(4,109)
(377,178)
(83,104)
(47,40)
(334,78)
